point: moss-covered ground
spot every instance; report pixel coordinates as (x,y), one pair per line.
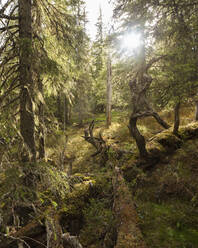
(167,199)
(166,194)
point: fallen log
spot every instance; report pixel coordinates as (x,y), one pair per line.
(129,234)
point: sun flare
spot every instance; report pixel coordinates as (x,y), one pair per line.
(131,41)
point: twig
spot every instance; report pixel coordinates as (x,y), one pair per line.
(15,238)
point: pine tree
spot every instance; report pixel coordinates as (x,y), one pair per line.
(99,67)
(98,46)
(25,61)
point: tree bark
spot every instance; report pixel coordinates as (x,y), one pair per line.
(196,111)
(27,125)
(177,118)
(140,141)
(109,92)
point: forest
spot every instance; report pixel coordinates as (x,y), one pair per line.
(99,135)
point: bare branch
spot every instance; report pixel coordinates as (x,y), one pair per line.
(10,102)
(9,17)
(2,10)
(8,28)
(9,38)
(98,142)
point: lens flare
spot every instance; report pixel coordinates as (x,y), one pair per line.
(131,41)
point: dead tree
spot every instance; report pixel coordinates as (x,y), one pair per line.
(98,143)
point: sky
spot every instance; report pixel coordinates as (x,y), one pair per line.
(93,13)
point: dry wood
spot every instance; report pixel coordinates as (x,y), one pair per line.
(71,241)
(98,142)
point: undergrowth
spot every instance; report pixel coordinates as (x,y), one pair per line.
(166,196)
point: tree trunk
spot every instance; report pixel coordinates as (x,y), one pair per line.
(177,118)
(109,92)
(129,235)
(80,111)
(196,111)
(140,141)
(67,114)
(59,113)
(27,125)
(41,123)
(64,113)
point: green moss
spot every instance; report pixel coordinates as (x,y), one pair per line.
(156,149)
(97,214)
(189,131)
(166,196)
(168,225)
(99,220)
(168,140)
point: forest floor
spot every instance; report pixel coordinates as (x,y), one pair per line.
(117,135)
(166,196)
(158,202)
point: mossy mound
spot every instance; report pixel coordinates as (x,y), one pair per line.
(36,190)
(166,142)
(190,131)
(167,199)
